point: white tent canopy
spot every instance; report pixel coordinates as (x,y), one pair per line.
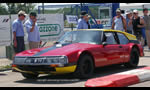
(129,6)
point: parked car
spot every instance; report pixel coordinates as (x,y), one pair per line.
(79,52)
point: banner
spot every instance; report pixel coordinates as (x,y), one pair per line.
(5,38)
(50,27)
(72,19)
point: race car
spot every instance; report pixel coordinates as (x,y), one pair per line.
(79,52)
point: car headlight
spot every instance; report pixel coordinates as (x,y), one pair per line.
(57,59)
(19,60)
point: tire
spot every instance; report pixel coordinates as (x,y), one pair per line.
(85,67)
(134,59)
(29,76)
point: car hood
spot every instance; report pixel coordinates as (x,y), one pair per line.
(56,50)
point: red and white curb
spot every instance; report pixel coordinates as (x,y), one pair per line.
(122,79)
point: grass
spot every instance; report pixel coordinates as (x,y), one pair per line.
(7,67)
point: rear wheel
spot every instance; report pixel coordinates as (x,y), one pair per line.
(134,59)
(85,67)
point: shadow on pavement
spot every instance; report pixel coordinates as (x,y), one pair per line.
(3,74)
(146,57)
(68,78)
(52,79)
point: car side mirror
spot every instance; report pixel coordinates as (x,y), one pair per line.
(56,42)
(104,43)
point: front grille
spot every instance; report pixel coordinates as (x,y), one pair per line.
(36,68)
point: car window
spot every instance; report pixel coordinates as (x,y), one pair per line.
(91,37)
(109,38)
(122,38)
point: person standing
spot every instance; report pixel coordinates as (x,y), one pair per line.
(88,21)
(33,31)
(129,22)
(119,22)
(138,24)
(147,26)
(82,22)
(18,32)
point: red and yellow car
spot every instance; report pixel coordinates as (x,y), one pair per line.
(80,52)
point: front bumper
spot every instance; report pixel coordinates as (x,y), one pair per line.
(43,69)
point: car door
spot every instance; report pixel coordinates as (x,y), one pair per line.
(124,43)
(112,49)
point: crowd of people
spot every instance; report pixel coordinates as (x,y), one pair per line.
(131,23)
(134,24)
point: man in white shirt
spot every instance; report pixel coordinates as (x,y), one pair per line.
(119,22)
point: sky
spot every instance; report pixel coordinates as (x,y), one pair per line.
(121,4)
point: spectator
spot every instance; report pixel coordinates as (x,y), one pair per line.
(119,22)
(129,22)
(33,31)
(147,26)
(138,24)
(87,20)
(18,32)
(82,22)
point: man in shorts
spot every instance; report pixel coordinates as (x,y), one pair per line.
(138,23)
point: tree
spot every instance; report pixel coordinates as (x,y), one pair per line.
(27,7)
(3,10)
(11,8)
(14,8)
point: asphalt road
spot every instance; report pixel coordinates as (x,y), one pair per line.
(13,79)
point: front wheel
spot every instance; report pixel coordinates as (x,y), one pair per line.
(134,59)
(85,67)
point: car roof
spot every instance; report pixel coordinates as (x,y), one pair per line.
(129,36)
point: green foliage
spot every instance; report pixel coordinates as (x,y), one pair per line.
(7,67)
(14,8)
(3,10)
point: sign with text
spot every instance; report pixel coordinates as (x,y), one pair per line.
(50,27)
(72,19)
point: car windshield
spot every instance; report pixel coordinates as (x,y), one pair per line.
(91,37)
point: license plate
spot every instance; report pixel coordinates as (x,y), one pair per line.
(36,60)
